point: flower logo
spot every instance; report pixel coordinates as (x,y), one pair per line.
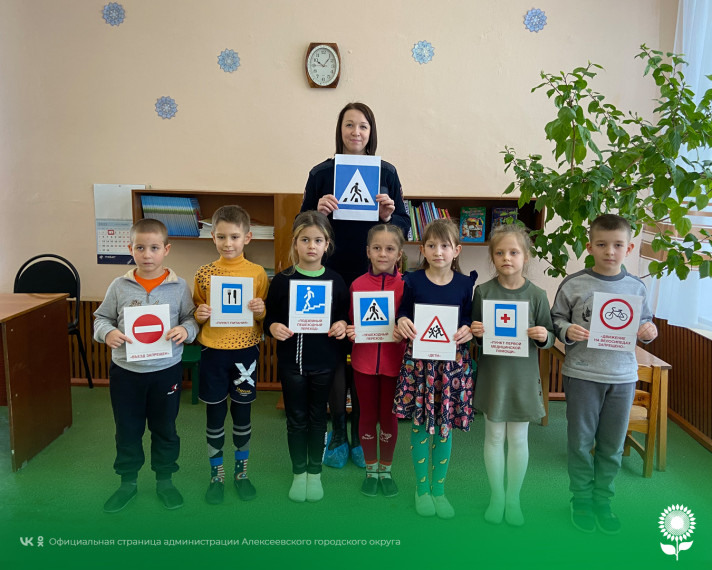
(676,523)
(423,52)
(166,107)
(228,60)
(114,13)
(535,20)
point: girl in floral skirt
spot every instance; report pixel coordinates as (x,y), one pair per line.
(436,394)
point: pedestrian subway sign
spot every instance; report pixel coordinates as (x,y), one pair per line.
(357,181)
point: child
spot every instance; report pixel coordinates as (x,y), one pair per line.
(437,394)
(306,362)
(599,384)
(509,389)
(376,365)
(146,391)
(228,361)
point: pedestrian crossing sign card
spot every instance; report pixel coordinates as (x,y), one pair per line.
(374,316)
(357,181)
(309,306)
(614,321)
(505,324)
(228,301)
(147,327)
(435,328)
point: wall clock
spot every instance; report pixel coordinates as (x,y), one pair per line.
(323,64)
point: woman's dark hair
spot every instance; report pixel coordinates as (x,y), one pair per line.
(373,136)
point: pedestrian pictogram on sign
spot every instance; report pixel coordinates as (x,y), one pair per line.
(435,332)
(147,329)
(374,311)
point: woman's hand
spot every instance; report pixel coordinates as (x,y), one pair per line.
(386,207)
(327,204)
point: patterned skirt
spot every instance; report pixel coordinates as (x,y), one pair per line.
(436,392)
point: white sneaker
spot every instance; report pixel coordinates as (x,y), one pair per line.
(298,490)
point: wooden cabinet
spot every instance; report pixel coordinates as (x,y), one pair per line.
(532,219)
(276,210)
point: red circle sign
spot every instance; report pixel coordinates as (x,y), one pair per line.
(616,314)
(147,329)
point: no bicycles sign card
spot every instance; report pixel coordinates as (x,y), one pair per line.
(614,321)
(147,327)
(228,299)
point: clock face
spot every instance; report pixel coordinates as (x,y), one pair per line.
(323,65)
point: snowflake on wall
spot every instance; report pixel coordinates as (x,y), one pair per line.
(228,60)
(166,107)
(535,20)
(423,52)
(114,13)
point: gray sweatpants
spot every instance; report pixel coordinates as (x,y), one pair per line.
(597,414)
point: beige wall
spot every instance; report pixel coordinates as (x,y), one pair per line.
(77,96)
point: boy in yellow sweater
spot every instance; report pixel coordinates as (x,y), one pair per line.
(228,364)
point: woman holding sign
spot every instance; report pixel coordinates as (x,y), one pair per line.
(356,134)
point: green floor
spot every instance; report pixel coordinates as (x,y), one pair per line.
(59,494)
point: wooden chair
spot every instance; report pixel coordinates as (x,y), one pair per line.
(644,418)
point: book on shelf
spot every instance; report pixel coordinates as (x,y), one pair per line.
(503,215)
(180,214)
(421,216)
(472,224)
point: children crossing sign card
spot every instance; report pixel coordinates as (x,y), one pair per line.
(614,321)
(374,316)
(505,324)
(357,181)
(147,327)
(228,300)
(309,306)
(435,327)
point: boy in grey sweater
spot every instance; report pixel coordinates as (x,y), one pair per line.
(599,383)
(146,391)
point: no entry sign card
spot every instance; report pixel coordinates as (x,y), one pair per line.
(505,324)
(435,327)
(357,180)
(309,306)
(374,316)
(228,300)
(614,321)
(147,327)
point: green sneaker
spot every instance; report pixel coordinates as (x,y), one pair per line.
(606,521)
(120,499)
(216,491)
(369,487)
(170,497)
(582,516)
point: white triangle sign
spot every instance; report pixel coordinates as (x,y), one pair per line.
(374,313)
(356,191)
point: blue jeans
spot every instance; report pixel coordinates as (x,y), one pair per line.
(597,414)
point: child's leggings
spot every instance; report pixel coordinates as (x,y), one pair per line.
(420,444)
(376,398)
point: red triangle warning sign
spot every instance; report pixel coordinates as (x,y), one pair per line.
(435,332)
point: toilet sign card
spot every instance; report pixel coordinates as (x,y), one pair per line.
(614,321)
(228,300)
(147,327)
(374,316)
(505,324)
(309,306)
(435,327)
(357,180)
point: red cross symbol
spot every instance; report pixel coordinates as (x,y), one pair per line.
(506,318)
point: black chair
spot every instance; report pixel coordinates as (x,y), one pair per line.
(49,273)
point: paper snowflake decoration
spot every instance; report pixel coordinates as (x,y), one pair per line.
(228,60)
(535,20)
(166,107)
(677,523)
(114,13)
(423,52)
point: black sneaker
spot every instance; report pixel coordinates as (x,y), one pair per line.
(120,499)
(369,487)
(606,521)
(582,516)
(216,492)
(388,486)
(245,490)
(171,497)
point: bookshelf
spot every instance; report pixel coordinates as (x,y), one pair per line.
(454,204)
(268,209)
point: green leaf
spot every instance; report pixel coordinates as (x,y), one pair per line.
(683,226)
(682,271)
(705,269)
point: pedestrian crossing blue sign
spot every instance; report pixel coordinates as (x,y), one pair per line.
(311,299)
(357,181)
(373,311)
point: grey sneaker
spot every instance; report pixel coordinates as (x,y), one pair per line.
(582,516)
